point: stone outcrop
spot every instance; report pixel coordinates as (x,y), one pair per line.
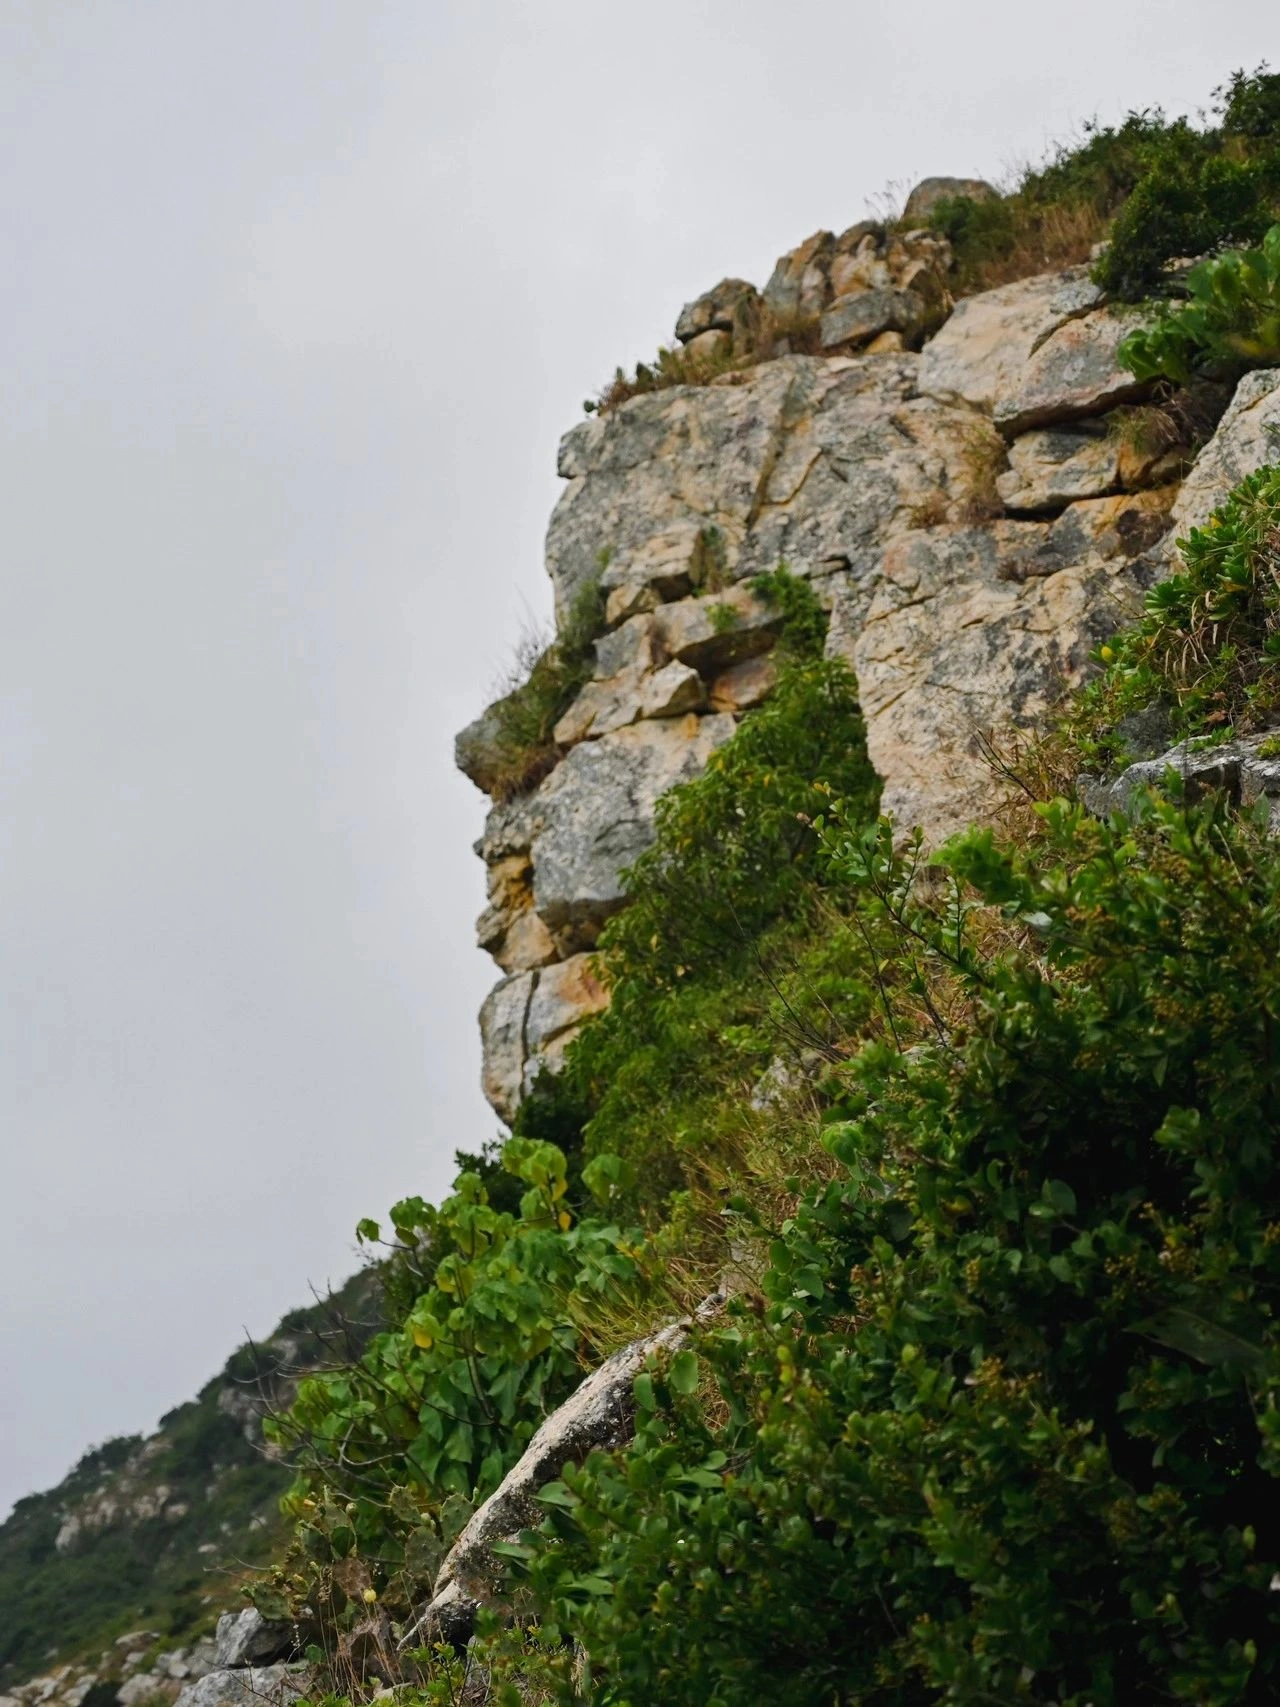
(1248,437)
(966,513)
(1247,771)
(247,1686)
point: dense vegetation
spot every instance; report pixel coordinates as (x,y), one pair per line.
(990,1145)
(152,1571)
(1156,189)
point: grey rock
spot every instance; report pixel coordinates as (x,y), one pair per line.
(799,285)
(1072,374)
(502,1019)
(477,749)
(854,320)
(732,306)
(713,632)
(1238,769)
(596,812)
(247,1686)
(146,1686)
(1050,468)
(603,706)
(981,352)
(246,1638)
(1247,438)
(969,630)
(927,194)
(563,996)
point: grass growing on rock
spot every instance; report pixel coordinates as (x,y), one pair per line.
(547,676)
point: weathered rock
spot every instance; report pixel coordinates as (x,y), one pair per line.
(563,996)
(478,749)
(246,1638)
(743,685)
(604,706)
(600,1415)
(982,350)
(595,814)
(502,1018)
(147,1686)
(711,346)
(853,320)
(1244,770)
(1071,375)
(929,192)
(509,928)
(667,565)
(1247,438)
(971,630)
(799,287)
(713,632)
(247,1686)
(1050,468)
(732,306)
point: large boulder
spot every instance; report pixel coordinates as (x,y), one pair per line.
(246,1638)
(971,630)
(1246,771)
(595,814)
(1052,467)
(855,319)
(981,353)
(1247,438)
(930,192)
(1072,375)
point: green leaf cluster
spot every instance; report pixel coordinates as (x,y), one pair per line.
(1207,647)
(1230,322)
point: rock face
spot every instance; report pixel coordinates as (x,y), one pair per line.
(1248,437)
(965,513)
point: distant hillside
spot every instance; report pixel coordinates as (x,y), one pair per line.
(157,1531)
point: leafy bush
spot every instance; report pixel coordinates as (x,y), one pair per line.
(1231,322)
(1160,188)
(1207,649)
(721,915)
(1008,1427)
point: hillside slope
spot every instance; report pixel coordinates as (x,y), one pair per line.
(158,1531)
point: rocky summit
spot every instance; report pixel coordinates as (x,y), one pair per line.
(950,478)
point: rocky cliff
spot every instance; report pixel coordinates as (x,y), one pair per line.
(965,485)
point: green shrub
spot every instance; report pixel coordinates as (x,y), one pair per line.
(1207,648)
(1160,188)
(1008,1430)
(1231,322)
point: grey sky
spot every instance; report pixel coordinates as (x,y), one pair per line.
(295,300)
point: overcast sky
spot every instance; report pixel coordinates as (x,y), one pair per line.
(295,300)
